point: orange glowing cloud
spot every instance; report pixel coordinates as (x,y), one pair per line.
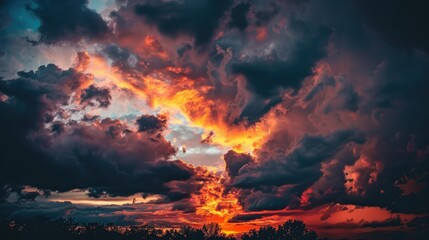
(187,96)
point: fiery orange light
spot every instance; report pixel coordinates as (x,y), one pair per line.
(184,95)
(187,96)
(154,47)
(214,205)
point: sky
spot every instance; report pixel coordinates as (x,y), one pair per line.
(241,112)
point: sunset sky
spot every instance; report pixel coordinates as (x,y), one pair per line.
(241,112)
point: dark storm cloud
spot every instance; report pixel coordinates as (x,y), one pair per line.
(198,19)
(419,222)
(238,16)
(35,96)
(186,208)
(57,128)
(26,211)
(32,100)
(392,146)
(151,123)
(31,210)
(21,195)
(245,217)
(384,87)
(122,58)
(421,226)
(235,161)
(390,222)
(315,149)
(119,55)
(276,181)
(257,107)
(303,160)
(398,144)
(383,84)
(107,161)
(128,62)
(93,93)
(68,21)
(103,156)
(402,23)
(266,76)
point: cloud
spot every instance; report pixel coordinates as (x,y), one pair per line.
(198,19)
(235,161)
(310,152)
(54,210)
(248,217)
(289,73)
(208,138)
(390,222)
(238,16)
(267,76)
(151,123)
(68,21)
(44,150)
(90,118)
(402,23)
(275,181)
(100,95)
(312,105)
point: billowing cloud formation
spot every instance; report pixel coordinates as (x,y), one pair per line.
(238,16)
(294,108)
(235,161)
(283,172)
(198,19)
(68,21)
(101,95)
(63,154)
(151,123)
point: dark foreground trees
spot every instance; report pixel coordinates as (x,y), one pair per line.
(292,229)
(67,229)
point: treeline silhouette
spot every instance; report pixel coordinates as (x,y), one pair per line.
(68,229)
(292,229)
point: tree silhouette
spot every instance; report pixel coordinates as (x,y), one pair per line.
(212,231)
(67,229)
(184,233)
(295,230)
(290,230)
